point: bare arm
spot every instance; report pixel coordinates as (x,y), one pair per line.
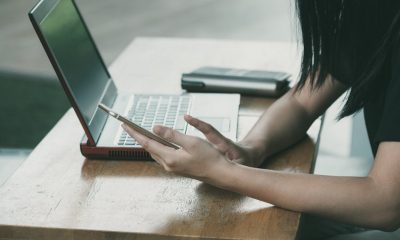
(289,118)
(372,201)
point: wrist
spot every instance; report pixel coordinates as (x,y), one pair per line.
(223,174)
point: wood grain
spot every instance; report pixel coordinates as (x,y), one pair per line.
(57,194)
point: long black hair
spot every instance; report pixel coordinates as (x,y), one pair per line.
(352,40)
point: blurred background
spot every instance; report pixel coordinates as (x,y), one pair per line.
(32,101)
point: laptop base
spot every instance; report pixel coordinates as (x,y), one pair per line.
(113,153)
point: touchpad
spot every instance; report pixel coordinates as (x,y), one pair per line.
(221,124)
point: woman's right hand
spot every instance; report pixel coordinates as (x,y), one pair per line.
(239,152)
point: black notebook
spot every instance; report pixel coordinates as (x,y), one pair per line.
(229,80)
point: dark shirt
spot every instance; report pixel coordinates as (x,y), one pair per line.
(382,110)
(356,45)
(382,113)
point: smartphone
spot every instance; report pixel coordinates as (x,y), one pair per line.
(137,128)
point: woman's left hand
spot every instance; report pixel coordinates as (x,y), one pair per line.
(196,158)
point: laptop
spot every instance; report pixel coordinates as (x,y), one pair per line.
(87,83)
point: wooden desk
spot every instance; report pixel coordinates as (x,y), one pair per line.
(57,194)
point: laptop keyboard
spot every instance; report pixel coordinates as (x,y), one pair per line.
(150,110)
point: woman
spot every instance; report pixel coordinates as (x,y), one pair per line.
(348,45)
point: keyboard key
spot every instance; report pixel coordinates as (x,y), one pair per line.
(180,124)
(148,111)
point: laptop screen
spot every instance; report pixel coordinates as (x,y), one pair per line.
(77,59)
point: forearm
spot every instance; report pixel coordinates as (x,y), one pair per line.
(372,201)
(355,200)
(287,120)
(281,125)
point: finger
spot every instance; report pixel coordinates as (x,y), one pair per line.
(157,159)
(153,147)
(173,136)
(210,133)
(160,161)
